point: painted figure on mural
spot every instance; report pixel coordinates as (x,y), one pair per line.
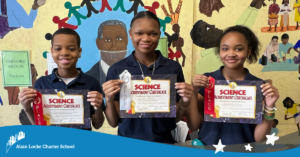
(62,23)
(296,7)
(285,49)
(205,36)
(179,43)
(120,4)
(89,7)
(206,7)
(273,15)
(271,51)
(14,16)
(152,8)
(73,10)
(297,58)
(105,5)
(134,7)
(285,10)
(291,108)
(112,43)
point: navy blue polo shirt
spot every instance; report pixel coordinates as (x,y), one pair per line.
(230,133)
(148,129)
(82,81)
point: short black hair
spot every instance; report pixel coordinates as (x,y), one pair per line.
(143,14)
(276,121)
(69,32)
(251,38)
(275,37)
(285,100)
(285,36)
(287,0)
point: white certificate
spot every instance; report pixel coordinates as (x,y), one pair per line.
(150,97)
(237,102)
(66,110)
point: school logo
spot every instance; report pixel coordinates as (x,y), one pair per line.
(61,94)
(14,139)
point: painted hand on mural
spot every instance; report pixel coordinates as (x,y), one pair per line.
(89,7)
(174,15)
(135,6)
(37,4)
(206,7)
(258,4)
(152,8)
(112,43)
(14,16)
(62,23)
(73,10)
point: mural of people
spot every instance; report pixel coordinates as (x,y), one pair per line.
(273,17)
(291,108)
(205,35)
(296,7)
(174,15)
(206,7)
(274,129)
(285,48)
(297,59)
(13,15)
(112,43)
(271,51)
(178,44)
(285,10)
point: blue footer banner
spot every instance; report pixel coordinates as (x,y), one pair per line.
(47,141)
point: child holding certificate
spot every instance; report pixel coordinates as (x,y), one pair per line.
(145,35)
(236,45)
(65,51)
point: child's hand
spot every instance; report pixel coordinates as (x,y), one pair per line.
(95,98)
(199,81)
(110,88)
(270,93)
(26,96)
(185,90)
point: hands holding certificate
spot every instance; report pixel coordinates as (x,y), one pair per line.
(95,98)
(110,88)
(270,93)
(26,96)
(185,90)
(199,81)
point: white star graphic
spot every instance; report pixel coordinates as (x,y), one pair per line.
(219,147)
(248,147)
(271,139)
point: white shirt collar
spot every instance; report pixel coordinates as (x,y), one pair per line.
(104,66)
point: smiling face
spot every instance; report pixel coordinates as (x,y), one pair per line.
(234,50)
(145,34)
(65,51)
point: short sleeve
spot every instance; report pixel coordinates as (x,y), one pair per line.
(297,45)
(180,78)
(286,112)
(112,75)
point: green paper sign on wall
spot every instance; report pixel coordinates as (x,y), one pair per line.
(163,46)
(16,69)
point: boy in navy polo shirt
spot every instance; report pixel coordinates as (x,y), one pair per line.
(236,45)
(65,51)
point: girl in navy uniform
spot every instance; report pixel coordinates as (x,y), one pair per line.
(235,46)
(145,33)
